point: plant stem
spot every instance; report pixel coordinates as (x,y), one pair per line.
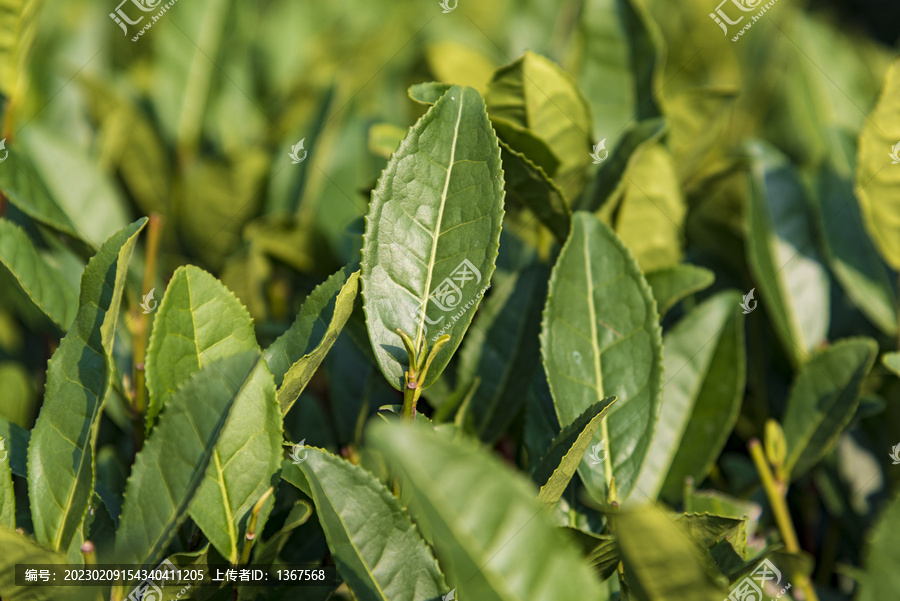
(251,527)
(410,398)
(776,490)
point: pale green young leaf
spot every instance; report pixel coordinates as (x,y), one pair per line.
(377,549)
(823,400)
(601,337)
(672,284)
(18,27)
(37,279)
(61,449)
(557,467)
(171,466)
(296,355)
(788,271)
(433,224)
(876,174)
(483,519)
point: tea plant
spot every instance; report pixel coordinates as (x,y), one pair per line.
(591,337)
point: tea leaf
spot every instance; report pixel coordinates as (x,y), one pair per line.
(170,468)
(61,449)
(672,284)
(527,184)
(882,556)
(7,494)
(296,355)
(892,362)
(483,520)
(16,440)
(782,256)
(376,547)
(823,400)
(601,336)
(441,200)
(16,549)
(876,176)
(704,361)
(37,279)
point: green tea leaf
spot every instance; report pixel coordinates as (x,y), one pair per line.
(672,284)
(783,257)
(823,400)
(555,469)
(651,214)
(876,177)
(892,362)
(533,93)
(37,279)
(170,468)
(428,92)
(528,185)
(441,200)
(61,450)
(266,552)
(199,322)
(376,547)
(18,27)
(704,360)
(296,355)
(502,350)
(15,549)
(882,556)
(672,568)
(483,520)
(16,440)
(7,494)
(601,336)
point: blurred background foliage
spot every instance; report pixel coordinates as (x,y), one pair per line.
(196,119)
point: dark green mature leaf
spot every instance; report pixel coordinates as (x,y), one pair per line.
(600,550)
(882,556)
(376,547)
(483,520)
(783,257)
(296,355)
(61,450)
(876,176)
(15,549)
(618,66)
(7,494)
(35,276)
(850,252)
(601,336)
(16,440)
(672,284)
(704,361)
(432,233)
(529,185)
(534,94)
(171,466)
(672,568)
(502,350)
(609,177)
(199,322)
(555,469)
(823,400)
(266,552)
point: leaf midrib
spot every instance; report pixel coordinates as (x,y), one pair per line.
(437,230)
